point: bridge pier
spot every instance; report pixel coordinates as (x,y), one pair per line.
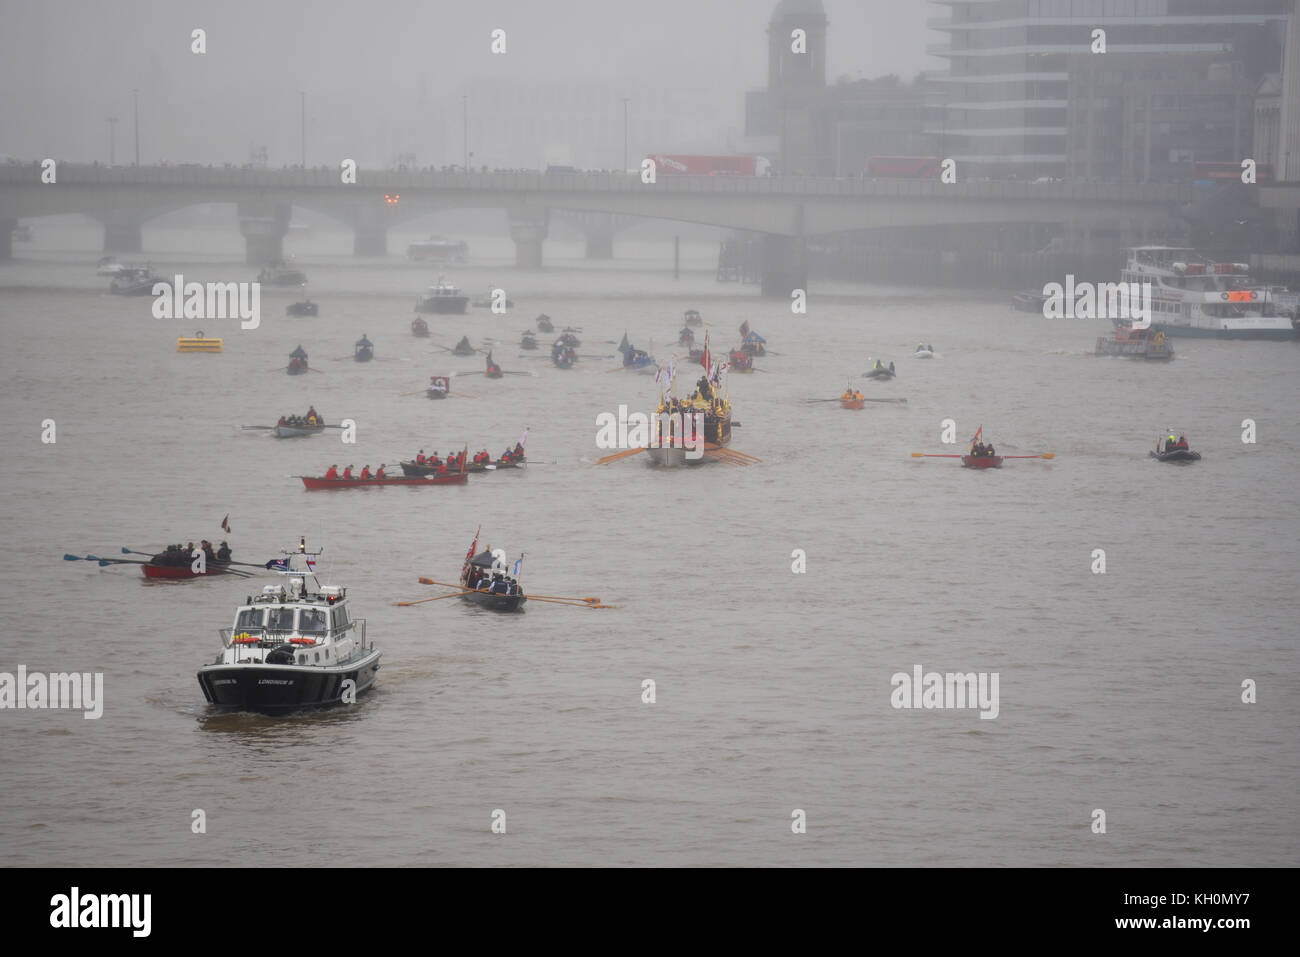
(122,234)
(369,231)
(528,229)
(264,229)
(600,237)
(7,227)
(783,263)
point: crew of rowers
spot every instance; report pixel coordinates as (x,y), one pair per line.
(480,579)
(309,421)
(634,356)
(924,348)
(561,352)
(1174,445)
(176,555)
(981,451)
(852,395)
(453,461)
(880,366)
(333,473)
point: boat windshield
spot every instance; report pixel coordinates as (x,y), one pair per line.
(249,619)
(279,619)
(313,621)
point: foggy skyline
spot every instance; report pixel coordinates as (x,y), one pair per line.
(387,78)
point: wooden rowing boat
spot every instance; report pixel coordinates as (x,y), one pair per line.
(981,461)
(416,469)
(176,572)
(296,431)
(316,483)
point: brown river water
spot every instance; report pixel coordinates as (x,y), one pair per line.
(1119,691)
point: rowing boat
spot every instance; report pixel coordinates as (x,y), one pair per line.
(419,328)
(174,572)
(416,469)
(852,401)
(295,431)
(981,461)
(315,483)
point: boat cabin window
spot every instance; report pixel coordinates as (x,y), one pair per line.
(313,621)
(250,619)
(280,619)
(340,618)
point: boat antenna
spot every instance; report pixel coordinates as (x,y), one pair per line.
(302,550)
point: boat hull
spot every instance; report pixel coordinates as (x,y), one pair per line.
(671,457)
(297,367)
(179,572)
(852,403)
(1178,455)
(507,603)
(363,355)
(435,393)
(443,305)
(420,329)
(923,354)
(981,461)
(301,309)
(416,470)
(878,374)
(1136,349)
(295,432)
(1196,332)
(316,483)
(275,689)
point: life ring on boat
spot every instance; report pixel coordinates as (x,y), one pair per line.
(302,641)
(1254,296)
(244,638)
(1223,296)
(199,334)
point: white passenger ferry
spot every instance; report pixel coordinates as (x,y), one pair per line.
(1192,296)
(290,648)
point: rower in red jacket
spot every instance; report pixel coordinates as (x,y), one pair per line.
(365,471)
(333,473)
(347,472)
(380,473)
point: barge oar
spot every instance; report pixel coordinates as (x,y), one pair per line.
(618,455)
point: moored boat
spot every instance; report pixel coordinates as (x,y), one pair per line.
(1029,301)
(544,323)
(304,308)
(1192,296)
(363,350)
(199,343)
(692,318)
(291,647)
(281,275)
(442,298)
(134,281)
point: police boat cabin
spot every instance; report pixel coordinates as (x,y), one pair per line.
(290,647)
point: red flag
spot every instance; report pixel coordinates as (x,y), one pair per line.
(704,359)
(225,524)
(744,328)
(978,433)
(470,554)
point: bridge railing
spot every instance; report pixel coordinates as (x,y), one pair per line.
(396,181)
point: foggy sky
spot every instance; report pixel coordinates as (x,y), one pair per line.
(386,77)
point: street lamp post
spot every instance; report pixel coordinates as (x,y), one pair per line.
(625,134)
(112,141)
(135,102)
(464,110)
(302,161)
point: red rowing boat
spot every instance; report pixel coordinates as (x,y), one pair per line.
(180,571)
(314,483)
(983,461)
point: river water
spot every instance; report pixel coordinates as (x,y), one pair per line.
(1119,691)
